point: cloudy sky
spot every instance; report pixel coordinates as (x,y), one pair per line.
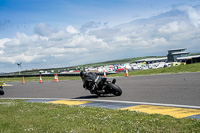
(62,33)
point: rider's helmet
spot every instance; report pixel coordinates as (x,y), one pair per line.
(82,74)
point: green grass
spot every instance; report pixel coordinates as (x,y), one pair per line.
(176,69)
(18,116)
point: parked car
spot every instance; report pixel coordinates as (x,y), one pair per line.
(120,70)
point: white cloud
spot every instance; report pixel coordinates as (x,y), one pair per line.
(87,41)
(71,29)
(194,17)
(19,58)
(159,41)
(194,14)
(172,27)
(1,52)
(3,41)
(57,55)
(44,29)
(122,38)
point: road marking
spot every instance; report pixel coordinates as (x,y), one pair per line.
(6,84)
(68,102)
(172,111)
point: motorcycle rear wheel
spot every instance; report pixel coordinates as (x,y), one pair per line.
(116,90)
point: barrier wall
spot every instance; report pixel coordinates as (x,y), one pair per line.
(44,75)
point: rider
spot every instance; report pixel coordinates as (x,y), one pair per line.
(83,75)
(90,80)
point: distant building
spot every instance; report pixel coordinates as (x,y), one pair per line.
(189,59)
(152,60)
(174,55)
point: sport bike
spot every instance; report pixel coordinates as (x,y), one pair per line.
(98,85)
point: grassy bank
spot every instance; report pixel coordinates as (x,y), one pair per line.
(18,116)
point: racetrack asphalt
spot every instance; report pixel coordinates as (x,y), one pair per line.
(178,90)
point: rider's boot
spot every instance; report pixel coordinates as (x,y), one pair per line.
(93,91)
(114,81)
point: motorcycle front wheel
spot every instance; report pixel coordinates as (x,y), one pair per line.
(116,90)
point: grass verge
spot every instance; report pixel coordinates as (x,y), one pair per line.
(20,116)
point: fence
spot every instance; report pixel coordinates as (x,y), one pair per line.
(44,75)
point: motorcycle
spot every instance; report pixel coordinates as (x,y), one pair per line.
(98,85)
(1,90)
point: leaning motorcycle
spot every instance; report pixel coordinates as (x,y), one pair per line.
(98,85)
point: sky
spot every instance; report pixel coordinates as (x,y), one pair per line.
(63,33)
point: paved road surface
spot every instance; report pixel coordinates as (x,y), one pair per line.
(182,89)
